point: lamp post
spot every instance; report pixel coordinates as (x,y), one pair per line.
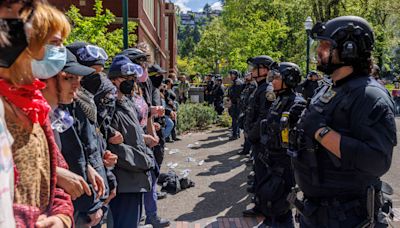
(125,22)
(308,26)
(217,66)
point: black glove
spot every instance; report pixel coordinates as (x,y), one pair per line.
(295,112)
(311,121)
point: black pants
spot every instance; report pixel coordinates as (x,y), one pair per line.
(159,149)
(235,112)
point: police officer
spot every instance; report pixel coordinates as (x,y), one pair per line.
(345,138)
(309,85)
(258,108)
(278,179)
(234,96)
(249,87)
(209,85)
(218,95)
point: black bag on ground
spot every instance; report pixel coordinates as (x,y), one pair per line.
(172,184)
(169,182)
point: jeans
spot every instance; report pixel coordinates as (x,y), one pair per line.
(150,198)
(126,209)
(169,125)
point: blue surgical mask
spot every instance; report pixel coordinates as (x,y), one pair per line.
(53,62)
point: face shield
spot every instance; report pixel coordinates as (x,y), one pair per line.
(273,74)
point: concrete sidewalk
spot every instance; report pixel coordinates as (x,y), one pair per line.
(219,173)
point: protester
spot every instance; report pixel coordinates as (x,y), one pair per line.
(38,202)
(135,160)
(183,89)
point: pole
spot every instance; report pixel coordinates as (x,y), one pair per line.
(308,52)
(125,22)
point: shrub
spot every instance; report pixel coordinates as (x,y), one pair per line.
(224,120)
(195,116)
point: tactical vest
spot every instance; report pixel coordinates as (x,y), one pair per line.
(317,171)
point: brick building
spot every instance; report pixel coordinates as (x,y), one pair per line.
(157,25)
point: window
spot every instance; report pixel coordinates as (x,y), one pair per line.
(148,6)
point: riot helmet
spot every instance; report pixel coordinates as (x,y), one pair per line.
(235,73)
(290,74)
(261,61)
(351,36)
(135,55)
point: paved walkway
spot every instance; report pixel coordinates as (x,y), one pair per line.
(220,176)
(219,196)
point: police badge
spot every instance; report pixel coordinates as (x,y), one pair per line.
(270,96)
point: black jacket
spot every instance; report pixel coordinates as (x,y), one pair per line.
(134,158)
(257,110)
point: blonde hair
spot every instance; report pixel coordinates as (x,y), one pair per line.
(46,21)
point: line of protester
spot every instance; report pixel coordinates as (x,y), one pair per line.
(76,143)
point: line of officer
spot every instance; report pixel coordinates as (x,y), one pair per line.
(234,96)
(257,110)
(278,180)
(344,140)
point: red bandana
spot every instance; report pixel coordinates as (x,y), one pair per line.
(28,98)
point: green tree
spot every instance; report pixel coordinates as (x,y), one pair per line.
(207,9)
(94,29)
(212,46)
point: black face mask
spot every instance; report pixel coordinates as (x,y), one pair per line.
(91,83)
(14,29)
(126,87)
(156,80)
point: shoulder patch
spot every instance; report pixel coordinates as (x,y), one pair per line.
(327,96)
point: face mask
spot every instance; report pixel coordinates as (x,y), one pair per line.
(143,77)
(156,81)
(13,39)
(126,87)
(61,120)
(53,62)
(270,95)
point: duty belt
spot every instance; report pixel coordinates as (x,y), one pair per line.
(323,209)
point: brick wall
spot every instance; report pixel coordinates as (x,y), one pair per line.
(146,32)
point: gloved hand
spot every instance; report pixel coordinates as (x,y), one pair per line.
(311,121)
(295,112)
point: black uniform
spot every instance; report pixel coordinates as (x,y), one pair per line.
(255,113)
(308,88)
(218,95)
(208,97)
(361,111)
(234,95)
(345,190)
(248,89)
(278,170)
